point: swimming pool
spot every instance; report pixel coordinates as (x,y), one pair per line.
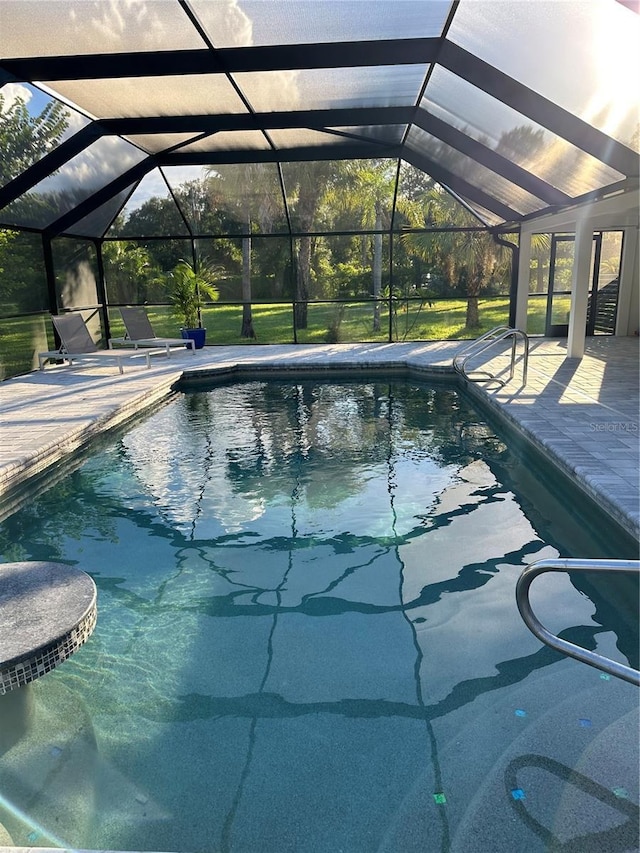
(308,640)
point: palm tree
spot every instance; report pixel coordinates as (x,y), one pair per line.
(307,186)
(189,284)
(466,256)
(366,189)
(128,270)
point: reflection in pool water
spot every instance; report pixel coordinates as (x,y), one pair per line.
(308,639)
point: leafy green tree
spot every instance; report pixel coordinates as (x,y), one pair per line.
(367,190)
(469,257)
(250,194)
(25,139)
(128,271)
(308,183)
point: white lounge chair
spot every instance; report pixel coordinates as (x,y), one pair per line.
(78,345)
(139,333)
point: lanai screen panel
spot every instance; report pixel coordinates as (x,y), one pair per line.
(238,140)
(515,136)
(256,22)
(135,97)
(475,173)
(516,106)
(150,211)
(331,88)
(87,172)
(154,143)
(72,27)
(15,157)
(300,136)
(330,195)
(247,196)
(96,223)
(389,134)
(414,185)
(583,56)
(484,216)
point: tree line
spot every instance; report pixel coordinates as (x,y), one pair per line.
(339,211)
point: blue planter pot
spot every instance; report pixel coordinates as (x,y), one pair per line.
(197,335)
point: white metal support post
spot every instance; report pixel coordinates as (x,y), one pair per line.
(522,295)
(580,284)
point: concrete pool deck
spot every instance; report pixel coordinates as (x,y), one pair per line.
(583,414)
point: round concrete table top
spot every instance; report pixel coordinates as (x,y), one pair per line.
(47,611)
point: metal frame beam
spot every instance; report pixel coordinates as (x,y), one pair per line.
(346,151)
(228,60)
(307,56)
(313,119)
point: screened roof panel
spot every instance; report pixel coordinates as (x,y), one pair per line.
(484,215)
(300,137)
(150,211)
(15,155)
(330,88)
(524,107)
(156,142)
(239,140)
(472,172)
(515,136)
(81,26)
(256,22)
(80,177)
(388,134)
(583,56)
(97,222)
(128,97)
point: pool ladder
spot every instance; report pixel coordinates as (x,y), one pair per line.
(484,343)
(525,580)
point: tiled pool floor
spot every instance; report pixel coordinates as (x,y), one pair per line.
(583,413)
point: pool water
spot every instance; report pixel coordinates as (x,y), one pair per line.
(307,637)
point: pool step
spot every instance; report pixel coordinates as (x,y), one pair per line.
(570,777)
(550,736)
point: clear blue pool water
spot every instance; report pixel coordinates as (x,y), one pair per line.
(308,639)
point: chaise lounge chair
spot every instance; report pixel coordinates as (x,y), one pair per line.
(78,345)
(139,333)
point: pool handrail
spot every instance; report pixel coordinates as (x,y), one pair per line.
(531,572)
(485,342)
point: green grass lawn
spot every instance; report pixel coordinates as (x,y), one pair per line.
(353,322)
(23,337)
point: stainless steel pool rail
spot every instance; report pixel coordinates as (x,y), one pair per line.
(525,580)
(484,343)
